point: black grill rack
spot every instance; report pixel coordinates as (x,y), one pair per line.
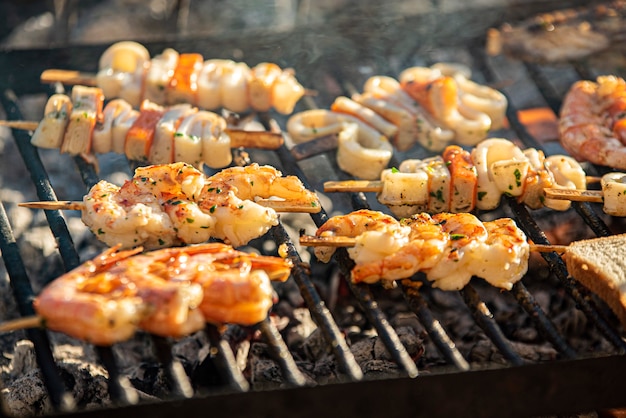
(574,383)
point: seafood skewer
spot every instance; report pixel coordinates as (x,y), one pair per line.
(432,106)
(449,248)
(181,133)
(460,180)
(126,71)
(173,204)
(171,292)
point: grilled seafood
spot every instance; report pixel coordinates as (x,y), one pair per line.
(431,106)
(464,180)
(562,35)
(171,204)
(126,71)
(361,151)
(153,133)
(448,248)
(170,292)
(592,123)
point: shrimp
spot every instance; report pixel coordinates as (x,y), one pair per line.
(106,300)
(448,248)
(355,224)
(423,250)
(465,232)
(591,127)
(263,181)
(235,285)
(503,257)
(170,204)
(170,292)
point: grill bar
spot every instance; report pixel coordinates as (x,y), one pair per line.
(434,328)
(532,230)
(484,318)
(323,317)
(20,283)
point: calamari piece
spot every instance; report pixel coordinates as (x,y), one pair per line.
(484,156)
(362,151)
(287,91)
(159,75)
(121,71)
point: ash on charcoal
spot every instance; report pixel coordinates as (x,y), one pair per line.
(25,393)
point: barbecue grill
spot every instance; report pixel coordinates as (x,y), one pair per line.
(333,60)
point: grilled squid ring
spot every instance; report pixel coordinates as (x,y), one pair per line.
(424,130)
(439,95)
(348,106)
(614,193)
(316,123)
(158,76)
(476,96)
(224,83)
(201,138)
(485,155)
(362,151)
(122,67)
(51,130)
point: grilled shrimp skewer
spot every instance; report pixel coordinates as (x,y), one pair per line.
(126,71)
(449,248)
(173,204)
(171,292)
(180,133)
(460,180)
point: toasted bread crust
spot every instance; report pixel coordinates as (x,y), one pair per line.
(600,265)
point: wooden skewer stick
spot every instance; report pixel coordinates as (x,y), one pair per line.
(377,186)
(575,195)
(277,205)
(70,77)
(342,241)
(238,137)
(34,321)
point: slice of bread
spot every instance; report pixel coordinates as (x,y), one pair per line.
(600,265)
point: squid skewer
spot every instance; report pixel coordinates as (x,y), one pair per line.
(460,181)
(170,292)
(173,204)
(127,71)
(81,125)
(239,138)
